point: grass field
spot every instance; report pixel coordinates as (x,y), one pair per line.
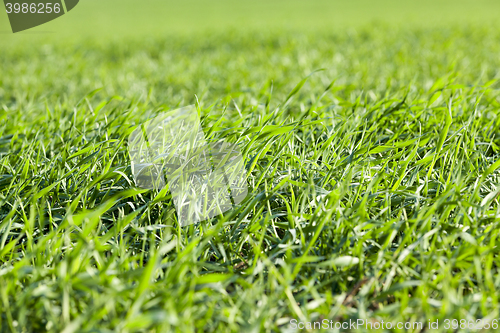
(371,135)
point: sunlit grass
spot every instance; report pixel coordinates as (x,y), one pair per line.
(371,159)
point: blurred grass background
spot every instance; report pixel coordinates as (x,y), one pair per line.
(102,19)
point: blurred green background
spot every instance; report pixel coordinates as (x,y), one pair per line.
(126,18)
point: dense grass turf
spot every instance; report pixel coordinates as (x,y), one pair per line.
(372,159)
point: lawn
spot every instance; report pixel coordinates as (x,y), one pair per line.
(371,138)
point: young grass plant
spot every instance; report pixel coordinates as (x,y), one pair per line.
(373,183)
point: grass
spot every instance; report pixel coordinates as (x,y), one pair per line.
(372,157)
